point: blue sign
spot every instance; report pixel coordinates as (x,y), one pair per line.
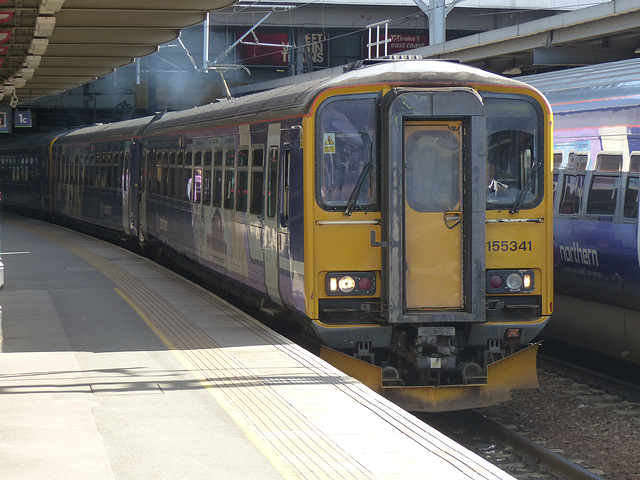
(22,118)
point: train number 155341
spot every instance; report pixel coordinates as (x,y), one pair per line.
(508,246)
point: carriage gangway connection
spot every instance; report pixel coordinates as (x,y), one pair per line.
(113,367)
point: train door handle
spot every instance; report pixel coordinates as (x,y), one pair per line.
(452,219)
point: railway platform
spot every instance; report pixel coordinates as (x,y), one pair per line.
(112,367)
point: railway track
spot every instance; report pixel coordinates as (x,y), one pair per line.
(578,424)
(502,446)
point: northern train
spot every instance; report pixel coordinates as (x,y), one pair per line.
(401,210)
(596,170)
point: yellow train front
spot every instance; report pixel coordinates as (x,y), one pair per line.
(428,270)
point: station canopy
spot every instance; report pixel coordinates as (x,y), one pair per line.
(51,46)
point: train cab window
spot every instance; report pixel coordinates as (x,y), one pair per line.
(347,165)
(257,181)
(217,178)
(571,194)
(515,152)
(242,182)
(272,181)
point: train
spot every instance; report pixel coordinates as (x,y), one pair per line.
(400,210)
(596,181)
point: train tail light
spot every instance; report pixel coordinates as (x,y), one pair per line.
(510,281)
(350,283)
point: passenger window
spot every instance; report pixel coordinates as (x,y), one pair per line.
(571,194)
(557,160)
(257,181)
(229,179)
(242,180)
(603,193)
(272,182)
(285,194)
(634,163)
(217,178)
(180,178)
(607,162)
(581,160)
(631,198)
(197,185)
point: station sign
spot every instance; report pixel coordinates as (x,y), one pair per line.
(400,43)
(268,53)
(22,119)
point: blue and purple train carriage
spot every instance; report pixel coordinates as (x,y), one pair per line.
(597,169)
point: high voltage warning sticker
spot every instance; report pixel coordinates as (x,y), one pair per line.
(329,143)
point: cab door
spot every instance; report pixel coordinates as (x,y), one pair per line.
(433,211)
(433,206)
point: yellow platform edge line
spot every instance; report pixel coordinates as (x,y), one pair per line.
(227,406)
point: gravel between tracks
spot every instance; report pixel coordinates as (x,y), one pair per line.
(594,429)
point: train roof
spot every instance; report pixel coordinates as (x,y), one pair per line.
(117,130)
(297,98)
(607,85)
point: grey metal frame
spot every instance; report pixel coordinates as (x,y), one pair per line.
(455,103)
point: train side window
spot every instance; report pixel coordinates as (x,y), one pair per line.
(188,171)
(257,181)
(217,178)
(171,175)
(229,178)
(608,162)
(634,163)
(91,171)
(571,194)
(603,193)
(272,182)
(286,157)
(581,161)
(557,160)
(164,181)
(242,182)
(631,197)
(206,186)
(180,178)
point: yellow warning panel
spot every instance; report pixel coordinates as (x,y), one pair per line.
(329,143)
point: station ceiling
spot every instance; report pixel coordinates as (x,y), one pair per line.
(604,33)
(51,46)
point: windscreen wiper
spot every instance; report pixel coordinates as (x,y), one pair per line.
(517,205)
(357,189)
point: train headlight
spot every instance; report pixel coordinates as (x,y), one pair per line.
(510,281)
(346,284)
(350,283)
(514,281)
